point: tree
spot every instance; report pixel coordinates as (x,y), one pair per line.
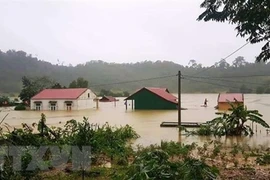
(28,91)
(58,86)
(267,90)
(260,90)
(31,86)
(234,123)
(239,61)
(193,64)
(104,92)
(245,89)
(4,101)
(223,64)
(82,83)
(43,82)
(73,84)
(125,93)
(251,18)
(79,83)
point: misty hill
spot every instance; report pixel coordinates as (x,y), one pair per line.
(15,64)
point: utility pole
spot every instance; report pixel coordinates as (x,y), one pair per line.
(179,98)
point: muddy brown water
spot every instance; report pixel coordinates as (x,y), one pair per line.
(147,122)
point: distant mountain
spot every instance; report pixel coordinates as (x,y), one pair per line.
(15,64)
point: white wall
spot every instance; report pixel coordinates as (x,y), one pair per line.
(83,102)
(60,105)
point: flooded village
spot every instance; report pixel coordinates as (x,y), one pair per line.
(62,105)
(145,121)
(135,90)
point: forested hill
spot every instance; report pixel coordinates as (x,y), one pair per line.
(217,78)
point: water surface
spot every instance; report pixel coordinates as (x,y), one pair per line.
(147,122)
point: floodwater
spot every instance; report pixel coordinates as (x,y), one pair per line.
(147,122)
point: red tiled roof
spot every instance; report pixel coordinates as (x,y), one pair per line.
(110,98)
(161,92)
(107,98)
(72,93)
(231,97)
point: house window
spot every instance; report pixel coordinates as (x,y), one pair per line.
(69,107)
(53,107)
(88,95)
(38,107)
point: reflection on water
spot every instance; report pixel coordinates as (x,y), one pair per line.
(147,123)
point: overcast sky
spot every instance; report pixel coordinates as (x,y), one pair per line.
(77,31)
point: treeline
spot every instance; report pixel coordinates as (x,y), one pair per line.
(104,92)
(224,77)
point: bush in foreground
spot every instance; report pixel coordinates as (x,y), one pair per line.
(20,107)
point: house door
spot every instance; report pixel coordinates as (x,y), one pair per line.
(53,107)
(38,107)
(69,107)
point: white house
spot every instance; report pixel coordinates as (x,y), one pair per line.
(63,99)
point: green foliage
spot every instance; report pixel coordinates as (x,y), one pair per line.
(250,17)
(104,92)
(79,83)
(5,101)
(196,169)
(217,149)
(107,142)
(20,107)
(244,89)
(16,64)
(156,164)
(263,160)
(260,90)
(239,62)
(235,122)
(231,124)
(265,88)
(125,93)
(57,86)
(32,86)
(176,149)
(235,150)
(204,130)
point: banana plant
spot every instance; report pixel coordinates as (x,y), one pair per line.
(235,122)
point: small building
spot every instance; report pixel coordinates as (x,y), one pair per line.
(63,99)
(149,98)
(224,100)
(108,99)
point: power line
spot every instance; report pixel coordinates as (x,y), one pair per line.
(221,79)
(236,50)
(223,58)
(138,80)
(215,84)
(241,76)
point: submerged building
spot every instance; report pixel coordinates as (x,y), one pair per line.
(151,98)
(108,99)
(63,99)
(225,99)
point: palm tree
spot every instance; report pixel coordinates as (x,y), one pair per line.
(235,122)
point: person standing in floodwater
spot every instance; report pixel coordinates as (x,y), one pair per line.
(205,102)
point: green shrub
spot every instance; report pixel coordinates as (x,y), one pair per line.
(263,160)
(20,107)
(157,164)
(204,130)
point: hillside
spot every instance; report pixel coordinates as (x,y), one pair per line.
(15,64)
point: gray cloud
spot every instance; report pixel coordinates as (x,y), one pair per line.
(117,31)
